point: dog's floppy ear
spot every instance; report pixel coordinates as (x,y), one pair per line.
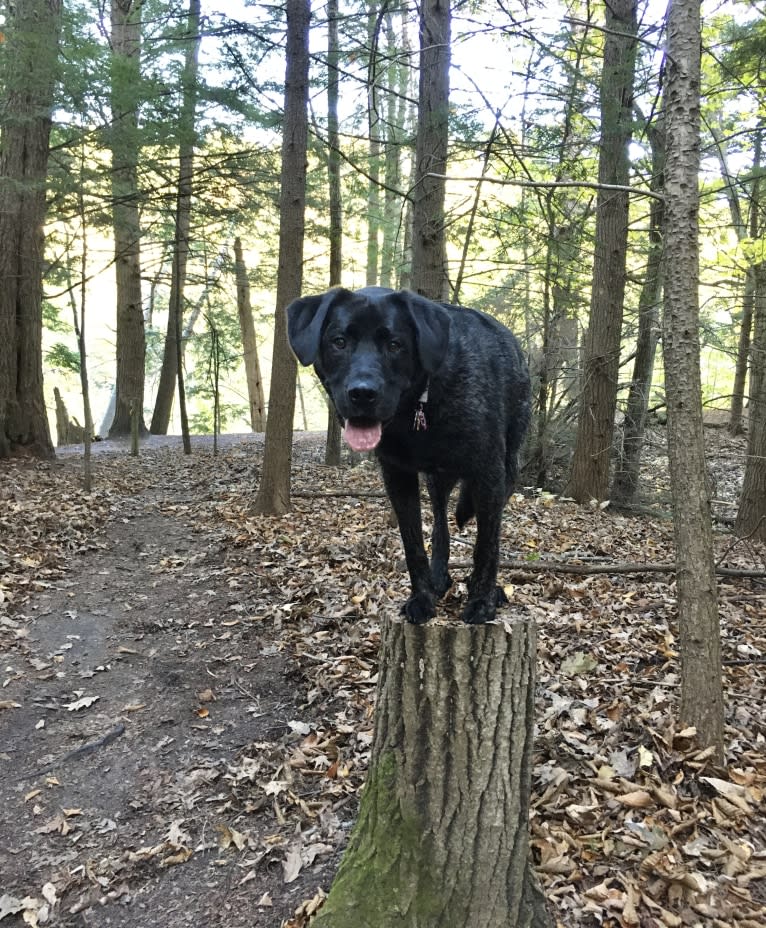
(305,318)
(431,329)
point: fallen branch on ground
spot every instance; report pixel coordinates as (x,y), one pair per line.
(569,567)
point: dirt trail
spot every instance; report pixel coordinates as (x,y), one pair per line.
(132,693)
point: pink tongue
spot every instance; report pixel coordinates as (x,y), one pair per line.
(362,437)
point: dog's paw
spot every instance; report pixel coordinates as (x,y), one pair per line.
(501,599)
(479,611)
(442,582)
(418,609)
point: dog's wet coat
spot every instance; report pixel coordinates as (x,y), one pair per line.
(434,389)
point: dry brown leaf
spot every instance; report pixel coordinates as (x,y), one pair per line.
(179,857)
(638,799)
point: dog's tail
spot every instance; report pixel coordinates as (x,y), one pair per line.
(465,510)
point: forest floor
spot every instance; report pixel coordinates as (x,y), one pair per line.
(187,689)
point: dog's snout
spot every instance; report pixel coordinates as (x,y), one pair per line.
(363,393)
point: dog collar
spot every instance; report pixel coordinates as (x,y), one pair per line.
(419,423)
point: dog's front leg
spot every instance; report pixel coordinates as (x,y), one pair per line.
(404,493)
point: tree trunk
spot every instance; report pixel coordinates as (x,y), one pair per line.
(79,320)
(333,443)
(274,491)
(399,52)
(373,156)
(563,249)
(697,597)
(27,81)
(751,516)
(627,470)
(559,337)
(249,343)
(743,353)
(442,835)
(68,430)
(751,276)
(429,253)
(333,438)
(163,404)
(477,199)
(590,463)
(131,338)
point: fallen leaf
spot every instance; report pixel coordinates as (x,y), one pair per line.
(731,791)
(229,836)
(645,757)
(10,905)
(292,864)
(579,663)
(180,857)
(49,894)
(638,799)
(83,703)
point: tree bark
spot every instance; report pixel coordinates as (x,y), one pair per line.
(442,835)
(751,515)
(429,253)
(627,470)
(557,371)
(28,80)
(743,353)
(751,277)
(373,154)
(398,79)
(273,496)
(249,343)
(595,428)
(79,322)
(68,430)
(333,438)
(697,596)
(131,338)
(163,403)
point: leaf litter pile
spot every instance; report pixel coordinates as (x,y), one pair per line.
(187,700)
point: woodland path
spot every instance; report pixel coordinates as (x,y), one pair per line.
(146,635)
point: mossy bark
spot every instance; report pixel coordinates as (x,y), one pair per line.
(442,835)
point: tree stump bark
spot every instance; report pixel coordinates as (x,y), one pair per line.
(442,835)
(68,430)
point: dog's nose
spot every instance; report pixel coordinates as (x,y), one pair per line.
(363,394)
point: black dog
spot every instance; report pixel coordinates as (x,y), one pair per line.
(436,389)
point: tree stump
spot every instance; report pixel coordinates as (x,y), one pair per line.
(68,429)
(442,835)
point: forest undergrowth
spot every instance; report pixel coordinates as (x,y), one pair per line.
(187,693)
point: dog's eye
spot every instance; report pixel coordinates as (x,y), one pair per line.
(395,345)
(339,341)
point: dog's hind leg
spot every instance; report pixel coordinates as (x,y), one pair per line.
(464,511)
(439,488)
(514,438)
(404,492)
(483,594)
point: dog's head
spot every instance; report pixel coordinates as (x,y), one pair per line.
(370,348)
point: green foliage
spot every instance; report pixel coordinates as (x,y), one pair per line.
(52,320)
(528,252)
(62,357)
